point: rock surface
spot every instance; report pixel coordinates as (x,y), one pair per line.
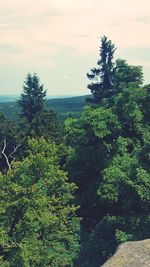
(131,254)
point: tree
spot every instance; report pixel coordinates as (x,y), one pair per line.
(127,75)
(37,120)
(102,76)
(32,98)
(39,226)
(109,77)
(93,138)
(110,165)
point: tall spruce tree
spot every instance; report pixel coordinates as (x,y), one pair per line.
(102,76)
(32,98)
(37,120)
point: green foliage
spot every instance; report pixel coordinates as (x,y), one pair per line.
(44,124)
(92,125)
(38,222)
(4,263)
(122,236)
(109,77)
(127,75)
(106,152)
(110,165)
(93,137)
(8,133)
(62,106)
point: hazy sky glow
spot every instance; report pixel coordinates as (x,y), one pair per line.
(60,40)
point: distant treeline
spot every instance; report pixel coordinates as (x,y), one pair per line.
(70,106)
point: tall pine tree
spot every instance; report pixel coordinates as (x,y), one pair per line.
(102,76)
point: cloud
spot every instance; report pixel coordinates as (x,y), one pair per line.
(65,77)
(139,53)
(8,48)
(144,19)
(78,24)
(39,34)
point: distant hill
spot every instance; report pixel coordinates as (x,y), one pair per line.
(66,106)
(63,106)
(8,98)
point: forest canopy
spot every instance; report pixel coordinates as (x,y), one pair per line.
(71,193)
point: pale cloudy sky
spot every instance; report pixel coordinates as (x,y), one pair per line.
(59,39)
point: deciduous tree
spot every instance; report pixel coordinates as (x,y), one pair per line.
(38,222)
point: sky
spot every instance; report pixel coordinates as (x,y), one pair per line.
(60,40)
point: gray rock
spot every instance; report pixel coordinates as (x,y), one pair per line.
(131,254)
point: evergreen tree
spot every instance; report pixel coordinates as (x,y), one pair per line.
(102,76)
(37,120)
(32,98)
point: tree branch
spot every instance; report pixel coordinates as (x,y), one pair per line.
(7,158)
(3,152)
